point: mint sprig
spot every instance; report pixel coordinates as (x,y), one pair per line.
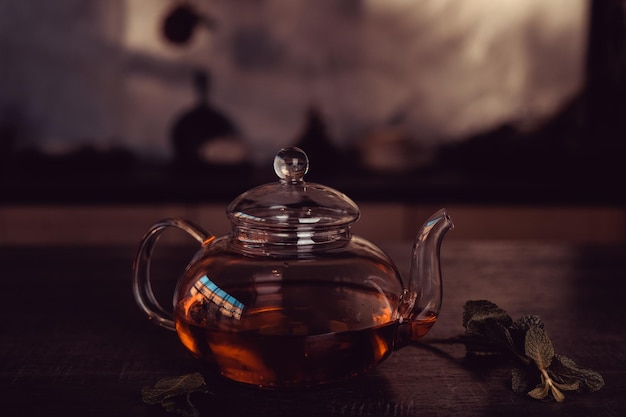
(537,370)
(174,393)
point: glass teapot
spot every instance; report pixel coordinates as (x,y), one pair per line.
(290,298)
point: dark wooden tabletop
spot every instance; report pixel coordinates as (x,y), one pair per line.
(73,342)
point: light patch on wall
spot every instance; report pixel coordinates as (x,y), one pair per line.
(445,69)
(141,29)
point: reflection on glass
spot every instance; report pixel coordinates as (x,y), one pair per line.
(228,305)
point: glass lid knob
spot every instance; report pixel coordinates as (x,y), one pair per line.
(290,164)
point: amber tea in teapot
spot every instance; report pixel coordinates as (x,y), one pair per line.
(290,298)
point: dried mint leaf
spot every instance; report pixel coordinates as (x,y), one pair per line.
(566,372)
(171,387)
(486,328)
(536,369)
(540,392)
(519,328)
(521,377)
(180,405)
(480,313)
(173,393)
(526,322)
(538,347)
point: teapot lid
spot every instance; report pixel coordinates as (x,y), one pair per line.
(292,203)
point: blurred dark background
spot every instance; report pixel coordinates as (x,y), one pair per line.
(127,103)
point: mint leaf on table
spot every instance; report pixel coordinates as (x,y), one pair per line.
(174,393)
(486,327)
(565,371)
(538,347)
(537,370)
(479,315)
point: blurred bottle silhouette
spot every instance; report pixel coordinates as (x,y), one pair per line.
(203,138)
(320,148)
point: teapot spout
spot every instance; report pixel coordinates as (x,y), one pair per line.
(421,300)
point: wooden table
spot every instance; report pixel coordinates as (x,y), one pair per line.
(73,342)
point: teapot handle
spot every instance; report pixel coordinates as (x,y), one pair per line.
(142,289)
